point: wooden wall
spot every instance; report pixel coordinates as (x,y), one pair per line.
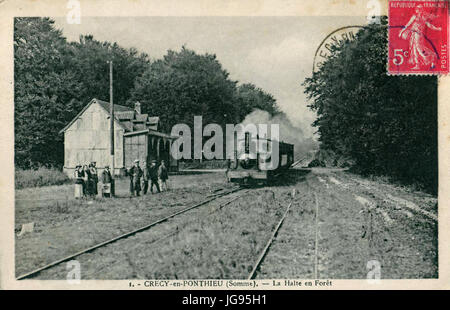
(88,139)
(147,148)
(135,148)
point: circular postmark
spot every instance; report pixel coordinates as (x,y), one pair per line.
(337,37)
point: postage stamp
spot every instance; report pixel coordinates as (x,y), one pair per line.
(418,37)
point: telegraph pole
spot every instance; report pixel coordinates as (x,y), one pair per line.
(111,118)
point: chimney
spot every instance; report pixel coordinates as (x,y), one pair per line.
(137,107)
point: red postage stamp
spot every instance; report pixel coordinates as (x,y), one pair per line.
(418,37)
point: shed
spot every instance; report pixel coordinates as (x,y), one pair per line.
(136,136)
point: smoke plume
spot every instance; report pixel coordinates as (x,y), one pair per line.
(288,132)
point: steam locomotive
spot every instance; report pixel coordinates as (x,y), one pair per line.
(255,159)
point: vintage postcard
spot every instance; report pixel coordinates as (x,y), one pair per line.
(245,145)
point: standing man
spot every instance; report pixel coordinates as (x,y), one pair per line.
(135,178)
(163,175)
(94,175)
(145,177)
(87,180)
(106,182)
(153,171)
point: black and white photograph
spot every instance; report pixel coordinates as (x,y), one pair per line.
(221,151)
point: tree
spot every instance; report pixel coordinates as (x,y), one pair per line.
(43,88)
(88,60)
(54,80)
(184,84)
(387,124)
(250,97)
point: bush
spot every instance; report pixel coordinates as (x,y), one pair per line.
(328,158)
(205,164)
(316,163)
(39,177)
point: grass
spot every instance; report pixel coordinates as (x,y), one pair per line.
(40,177)
(64,225)
(209,243)
(225,243)
(222,245)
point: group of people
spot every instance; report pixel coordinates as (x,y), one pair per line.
(86,177)
(140,177)
(86,180)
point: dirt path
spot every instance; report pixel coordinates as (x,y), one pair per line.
(359,221)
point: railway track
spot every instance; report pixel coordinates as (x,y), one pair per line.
(131,233)
(264,252)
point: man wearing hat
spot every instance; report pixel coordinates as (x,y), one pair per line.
(153,172)
(135,178)
(106,182)
(94,175)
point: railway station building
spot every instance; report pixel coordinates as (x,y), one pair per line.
(136,136)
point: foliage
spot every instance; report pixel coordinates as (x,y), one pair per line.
(89,62)
(205,164)
(42,86)
(39,177)
(251,97)
(55,79)
(387,124)
(184,84)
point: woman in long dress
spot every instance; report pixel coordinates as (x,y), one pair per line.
(78,174)
(419,52)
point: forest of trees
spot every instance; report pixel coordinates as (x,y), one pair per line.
(386,124)
(54,79)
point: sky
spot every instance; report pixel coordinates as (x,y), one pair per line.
(274,53)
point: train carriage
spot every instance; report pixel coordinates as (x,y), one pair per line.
(252,159)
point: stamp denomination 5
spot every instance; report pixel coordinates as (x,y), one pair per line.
(418,37)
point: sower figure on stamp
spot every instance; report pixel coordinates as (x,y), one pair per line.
(415,31)
(163,176)
(145,177)
(153,171)
(106,182)
(135,178)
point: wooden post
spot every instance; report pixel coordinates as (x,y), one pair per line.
(111,116)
